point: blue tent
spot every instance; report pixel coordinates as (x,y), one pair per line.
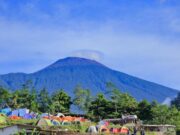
(15,112)
(55,122)
(27,116)
(19,112)
(43,115)
(22,112)
(6,111)
(34,115)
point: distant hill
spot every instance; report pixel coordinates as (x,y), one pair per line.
(69,72)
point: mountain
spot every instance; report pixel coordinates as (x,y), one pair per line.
(69,72)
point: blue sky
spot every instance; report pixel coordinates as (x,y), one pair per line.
(138,37)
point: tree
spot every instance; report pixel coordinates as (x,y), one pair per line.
(61,101)
(123,102)
(127,104)
(173,117)
(33,100)
(101,108)
(82,98)
(4,97)
(144,111)
(44,101)
(14,100)
(176,102)
(115,96)
(24,98)
(160,115)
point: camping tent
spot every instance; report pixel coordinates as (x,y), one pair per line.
(105,123)
(2,120)
(92,130)
(6,111)
(44,115)
(34,115)
(65,123)
(28,116)
(124,130)
(44,122)
(104,129)
(19,112)
(14,113)
(55,122)
(23,112)
(14,117)
(60,115)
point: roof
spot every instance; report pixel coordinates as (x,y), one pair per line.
(113,120)
(119,119)
(172,126)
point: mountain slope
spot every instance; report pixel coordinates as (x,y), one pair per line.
(69,72)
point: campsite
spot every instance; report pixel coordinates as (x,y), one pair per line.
(53,113)
(24,122)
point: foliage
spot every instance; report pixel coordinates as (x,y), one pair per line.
(144,110)
(35,101)
(163,114)
(112,104)
(123,102)
(44,101)
(176,102)
(61,102)
(82,98)
(4,96)
(77,127)
(100,107)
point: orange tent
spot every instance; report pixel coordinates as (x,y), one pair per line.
(14,117)
(124,130)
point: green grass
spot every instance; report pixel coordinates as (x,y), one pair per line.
(23,121)
(76,127)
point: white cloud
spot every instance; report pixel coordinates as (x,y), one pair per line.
(90,54)
(167,101)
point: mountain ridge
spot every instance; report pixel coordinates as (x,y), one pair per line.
(67,73)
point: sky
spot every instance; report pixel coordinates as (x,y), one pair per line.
(138,37)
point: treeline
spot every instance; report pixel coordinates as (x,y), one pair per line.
(117,104)
(111,104)
(37,101)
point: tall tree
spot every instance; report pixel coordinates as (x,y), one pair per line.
(61,101)
(144,111)
(101,108)
(4,97)
(127,104)
(34,100)
(176,102)
(160,114)
(82,98)
(14,100)
(44,101)
(123,102)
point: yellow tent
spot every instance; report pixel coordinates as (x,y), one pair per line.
(44,122)
(3,120)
